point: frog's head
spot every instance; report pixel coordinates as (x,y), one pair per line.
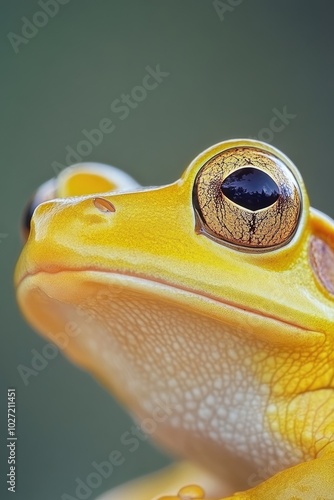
(206,305)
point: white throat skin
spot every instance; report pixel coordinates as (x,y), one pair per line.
(188,379)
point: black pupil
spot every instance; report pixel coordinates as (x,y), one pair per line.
(250,188)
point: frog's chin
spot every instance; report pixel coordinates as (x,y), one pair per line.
(125,329)
(173,357)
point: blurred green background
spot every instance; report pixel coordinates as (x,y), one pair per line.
(228,73)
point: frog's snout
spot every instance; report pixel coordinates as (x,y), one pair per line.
(79,180)
(69,217)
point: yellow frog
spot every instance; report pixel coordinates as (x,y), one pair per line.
(206,307)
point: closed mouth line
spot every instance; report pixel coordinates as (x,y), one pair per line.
(173,286)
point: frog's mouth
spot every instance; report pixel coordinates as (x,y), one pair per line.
(125,329)
(157,346)
(79,289)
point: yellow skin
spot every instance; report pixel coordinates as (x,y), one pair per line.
(224,354)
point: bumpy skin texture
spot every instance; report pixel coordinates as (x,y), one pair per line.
(224,356)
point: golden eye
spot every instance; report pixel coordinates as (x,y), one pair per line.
(247,197)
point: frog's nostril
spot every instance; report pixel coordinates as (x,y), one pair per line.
(104,205)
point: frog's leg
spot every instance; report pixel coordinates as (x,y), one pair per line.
(165,482)
(313,480)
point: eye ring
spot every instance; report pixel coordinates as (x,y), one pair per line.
(247,198)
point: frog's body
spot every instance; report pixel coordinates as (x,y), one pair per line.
(220,341)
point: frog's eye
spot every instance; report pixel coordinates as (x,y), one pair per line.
(247,197)
(45,192)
